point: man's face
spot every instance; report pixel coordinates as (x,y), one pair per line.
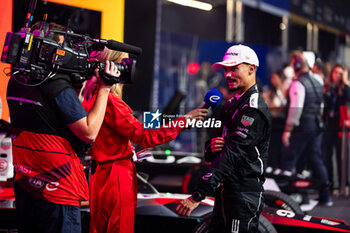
(238,77)
(61,39)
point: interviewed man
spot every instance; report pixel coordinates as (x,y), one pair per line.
(237,151)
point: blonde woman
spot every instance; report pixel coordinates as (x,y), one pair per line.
(113,190)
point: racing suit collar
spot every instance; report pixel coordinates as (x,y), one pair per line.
(251,90)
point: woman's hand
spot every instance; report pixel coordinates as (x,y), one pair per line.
(345,76)
(197,114)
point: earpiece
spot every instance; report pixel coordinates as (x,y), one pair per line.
(298,63)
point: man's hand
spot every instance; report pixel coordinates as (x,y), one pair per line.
(186,206)
(285,138)
(347,123)
(217,144)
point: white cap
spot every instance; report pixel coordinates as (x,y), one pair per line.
(236,55)
(310,58)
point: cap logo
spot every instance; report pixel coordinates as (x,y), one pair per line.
(235,55)
(231,53)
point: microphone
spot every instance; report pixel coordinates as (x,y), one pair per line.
(212,98)
(115,45)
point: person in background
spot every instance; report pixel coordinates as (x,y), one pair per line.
(319,68)
(53,132)
(276,102)
(328,66)
(303,130)
(113,181)
(200,90)
(288,72)
(336,97)
(237,151)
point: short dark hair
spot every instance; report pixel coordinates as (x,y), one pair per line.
(47,27)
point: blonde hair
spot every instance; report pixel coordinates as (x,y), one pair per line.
(105,55)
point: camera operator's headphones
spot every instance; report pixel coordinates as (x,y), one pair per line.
(46,28)
(298,63)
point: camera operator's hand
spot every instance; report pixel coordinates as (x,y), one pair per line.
(88,127)
(97,82)
(197,114)
(109,75)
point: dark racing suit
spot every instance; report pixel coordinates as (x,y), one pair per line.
(237,173)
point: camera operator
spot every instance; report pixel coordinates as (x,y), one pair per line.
(113,182)
(53,132)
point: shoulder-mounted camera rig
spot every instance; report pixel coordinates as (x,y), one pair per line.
(33,52)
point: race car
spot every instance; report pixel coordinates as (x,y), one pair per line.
(297,186)
(156,213)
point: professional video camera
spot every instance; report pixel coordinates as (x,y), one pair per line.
(35,53)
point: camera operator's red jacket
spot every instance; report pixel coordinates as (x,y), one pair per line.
(113,186)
